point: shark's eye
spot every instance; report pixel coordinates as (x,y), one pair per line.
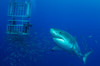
(60,32)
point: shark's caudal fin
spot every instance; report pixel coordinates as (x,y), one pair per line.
(85,56)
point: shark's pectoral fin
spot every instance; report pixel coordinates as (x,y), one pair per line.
(56,48)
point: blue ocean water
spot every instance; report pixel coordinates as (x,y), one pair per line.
(81,18)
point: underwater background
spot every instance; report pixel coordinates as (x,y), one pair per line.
(81,18)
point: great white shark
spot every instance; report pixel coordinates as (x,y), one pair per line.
(67,42)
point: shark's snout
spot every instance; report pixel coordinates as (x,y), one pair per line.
(53,32)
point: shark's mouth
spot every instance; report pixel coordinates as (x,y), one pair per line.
(57,37)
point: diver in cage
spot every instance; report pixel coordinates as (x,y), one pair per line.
(26,27)
(13,22)
(12,26)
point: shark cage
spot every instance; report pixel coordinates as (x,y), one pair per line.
(19,12)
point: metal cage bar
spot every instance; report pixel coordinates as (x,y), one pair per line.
(19,9)
(19,13)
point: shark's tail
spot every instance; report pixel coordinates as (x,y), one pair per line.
(86,55)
